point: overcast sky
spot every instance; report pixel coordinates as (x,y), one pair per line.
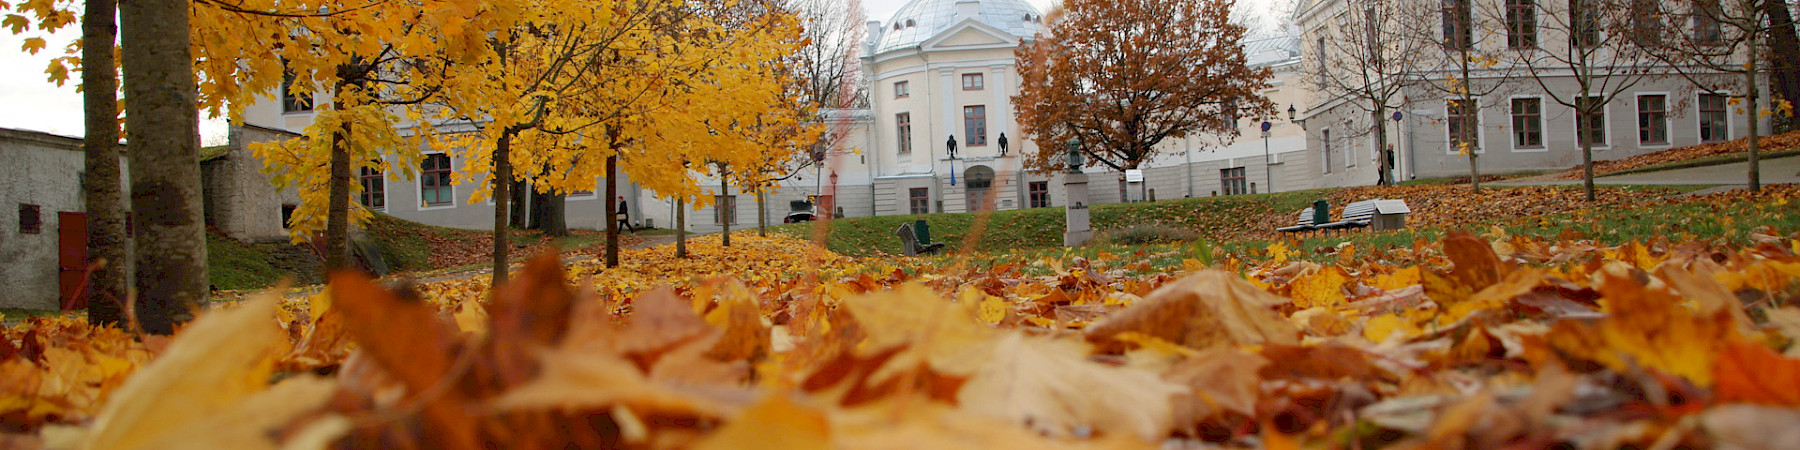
(29,102)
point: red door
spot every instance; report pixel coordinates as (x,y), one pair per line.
(71,242)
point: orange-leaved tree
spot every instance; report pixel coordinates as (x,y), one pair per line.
(1121,76)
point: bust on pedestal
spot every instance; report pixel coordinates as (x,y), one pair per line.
(1076,212)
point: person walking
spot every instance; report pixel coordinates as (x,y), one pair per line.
(624,215)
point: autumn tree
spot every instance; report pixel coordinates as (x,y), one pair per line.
(1367,58)
(162,128)
(1722,37)
(1120,77)
(1466,65)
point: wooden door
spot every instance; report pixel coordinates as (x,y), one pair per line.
(71,260)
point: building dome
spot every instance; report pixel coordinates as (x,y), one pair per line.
(922,19)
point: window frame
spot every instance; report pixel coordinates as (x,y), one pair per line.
(1664,112)
(1458,34)
(449,165)
(1039,194)
(1605,124)
(902,89)
(1537,118)
(1233,179)
(1700,116)
(1450,137)
(903,128)
(377,194)
(1585,32)
(979,82)
(725,208)
(31,219)
(1521,25)
(975,125)
(918,200)
(290,103)
(1706,27)
(1325,148)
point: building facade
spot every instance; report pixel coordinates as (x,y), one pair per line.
(43,236)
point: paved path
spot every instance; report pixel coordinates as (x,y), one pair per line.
(1773,171)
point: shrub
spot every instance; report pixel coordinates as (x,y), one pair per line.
(1146,235)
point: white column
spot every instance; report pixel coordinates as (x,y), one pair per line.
(943,128)
(1001,110)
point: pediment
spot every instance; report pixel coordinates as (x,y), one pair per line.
(970,34)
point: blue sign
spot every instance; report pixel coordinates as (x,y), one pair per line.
(1397,116)
(1266,125)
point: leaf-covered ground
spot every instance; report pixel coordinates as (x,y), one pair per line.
(1495,339)
(1738,149)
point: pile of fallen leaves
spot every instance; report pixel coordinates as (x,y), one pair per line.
(1494,341)
(1740,146)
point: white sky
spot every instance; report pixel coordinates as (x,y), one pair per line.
(29,102)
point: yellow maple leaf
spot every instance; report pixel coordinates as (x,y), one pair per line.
(1322,288)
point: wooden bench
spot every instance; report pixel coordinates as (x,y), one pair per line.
(1356,215)
(909,242)
(1304,224)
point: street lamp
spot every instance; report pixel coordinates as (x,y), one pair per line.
(1268,169)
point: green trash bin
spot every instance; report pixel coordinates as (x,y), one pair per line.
(1321,212)
(922,231)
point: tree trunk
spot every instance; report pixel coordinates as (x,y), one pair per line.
(724,215)
(337,205)
(520,205)
(163,140)
(1752,94)
(540,205)
(107,242)
(762,214)
(681,228)
(612,194)
(1784,60)
(555,219)
(502,199)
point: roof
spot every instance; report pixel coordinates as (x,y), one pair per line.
(1271,51)
(920,20)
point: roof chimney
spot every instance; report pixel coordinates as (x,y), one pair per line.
(967,9)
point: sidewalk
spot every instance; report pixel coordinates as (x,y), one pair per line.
(1773,171)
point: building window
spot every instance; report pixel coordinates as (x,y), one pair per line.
(975,125)
(1457,18)
(1325,140)
(902,89)
(1521,24)
(30,222)
(1528,123)
(1713,127)
(1590,128)
(1653,120)
(287,213)
(972,82)
(434,180)
(1706,23)
(920,200)
(1462,122)
(1587,26)
(725,209)
(903,125)
(374,185)
(1040,194)
(1231,181)
(289,101)
(1646,22)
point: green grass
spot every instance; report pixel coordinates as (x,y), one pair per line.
(233,265)
(1043,227)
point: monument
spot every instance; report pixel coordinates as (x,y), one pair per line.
(1076,209)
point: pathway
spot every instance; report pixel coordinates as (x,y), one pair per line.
(1773,171)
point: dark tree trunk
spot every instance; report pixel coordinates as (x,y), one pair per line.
(762,214)
(337,206)
(612,194)
(555,221)
(1784,60)
(681,228)
(163,135)
(539,202)
(107,242)
(502,202)
(521,206)
(724,214)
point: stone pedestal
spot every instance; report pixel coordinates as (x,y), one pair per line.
(1076,212)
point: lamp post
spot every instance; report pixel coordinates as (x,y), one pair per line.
(950,148)
(1268,170)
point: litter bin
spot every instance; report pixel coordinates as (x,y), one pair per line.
(1321,212)
(922,231)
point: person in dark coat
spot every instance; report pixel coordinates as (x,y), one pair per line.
(624,215)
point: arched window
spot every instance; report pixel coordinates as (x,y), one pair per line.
(979,181)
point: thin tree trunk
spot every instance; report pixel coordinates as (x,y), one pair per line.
(521,205)
(163,139)
(612,194)
(556,222)
(762,214)
(1784,60)
(681,228)
(502,199)
(1753,93)
(724,215)
(337,205)
(107,242)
